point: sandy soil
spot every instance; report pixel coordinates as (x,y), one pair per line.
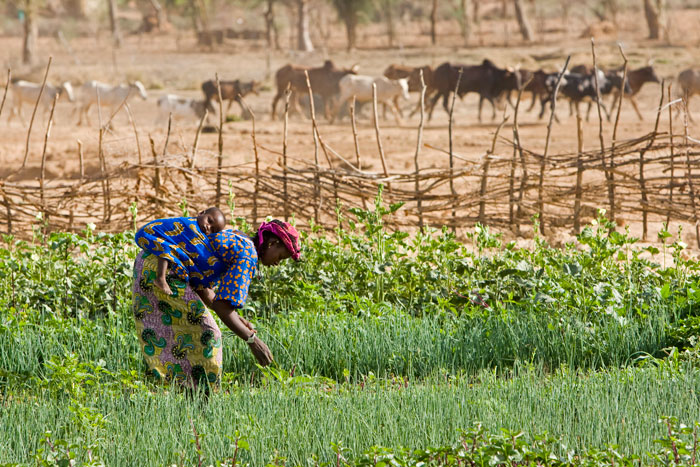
(173,63)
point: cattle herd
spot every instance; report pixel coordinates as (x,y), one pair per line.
(335,87)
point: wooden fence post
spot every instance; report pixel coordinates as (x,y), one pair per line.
(689,170)
(6,202)
(579,174)
(670,134)
(379,137)
(608,169)
(138,144)
(256,188)
(220,160)
(642,181)
(449,135)
(516,146)
(43,159)
(36,105)
(357,146)
(285,188)
(485,170)
(7,86)
(543,160)
(317,180)
(156,171)
(419,143)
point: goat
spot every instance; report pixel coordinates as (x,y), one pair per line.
(360,86)
(25,91)
(92,92)
(395,72)
(230,90)
(181,107)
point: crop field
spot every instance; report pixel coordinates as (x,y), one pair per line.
(399,340)
(387,349)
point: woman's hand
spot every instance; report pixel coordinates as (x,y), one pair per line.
(261,351)
(242,328)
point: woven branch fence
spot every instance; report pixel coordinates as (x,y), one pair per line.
(652,178)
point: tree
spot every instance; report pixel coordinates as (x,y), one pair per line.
(349,11)
(76,7)
(464,20)
(303,36)
(433,23)
(114,23)
(525,29)
(654,12)
(271,26)
(31,32)
(386,9)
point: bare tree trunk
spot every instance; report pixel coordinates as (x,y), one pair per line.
(350,18)
(303,37)
(76,8)
(113,23)
(433,23)
(654,12)
(158,9)
(31,32)
(612,8)
(525,29)
(465,21)
(389,18)
(270,26)
(196,18)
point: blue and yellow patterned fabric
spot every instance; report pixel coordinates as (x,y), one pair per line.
(238,252)
(182,243)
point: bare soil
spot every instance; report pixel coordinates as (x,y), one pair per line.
(173,63)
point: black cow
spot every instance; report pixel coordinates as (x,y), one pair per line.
(486,79)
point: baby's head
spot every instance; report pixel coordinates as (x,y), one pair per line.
(211,220)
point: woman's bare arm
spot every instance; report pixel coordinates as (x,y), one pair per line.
(207,295)
(243,329)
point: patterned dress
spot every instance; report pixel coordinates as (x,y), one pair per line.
(187,249)
(238,253)
(179,337)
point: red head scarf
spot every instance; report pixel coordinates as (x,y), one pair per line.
(285,232)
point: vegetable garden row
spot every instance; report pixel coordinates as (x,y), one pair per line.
(390,349)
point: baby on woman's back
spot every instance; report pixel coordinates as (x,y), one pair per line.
(182,245)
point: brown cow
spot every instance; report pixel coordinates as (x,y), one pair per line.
(395,72)
(636,79)
(324,82)
(230,90)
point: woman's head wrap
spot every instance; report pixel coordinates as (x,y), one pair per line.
(285,232)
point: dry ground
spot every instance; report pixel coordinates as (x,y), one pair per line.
(173,63)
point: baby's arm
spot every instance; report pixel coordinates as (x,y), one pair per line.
(161,274)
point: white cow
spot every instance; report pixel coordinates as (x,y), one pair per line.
(182,107)
(360,86)
(110,97)
(25,91)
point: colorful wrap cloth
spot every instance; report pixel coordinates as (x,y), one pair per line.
(237,251)
(178,336)
(182,243)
